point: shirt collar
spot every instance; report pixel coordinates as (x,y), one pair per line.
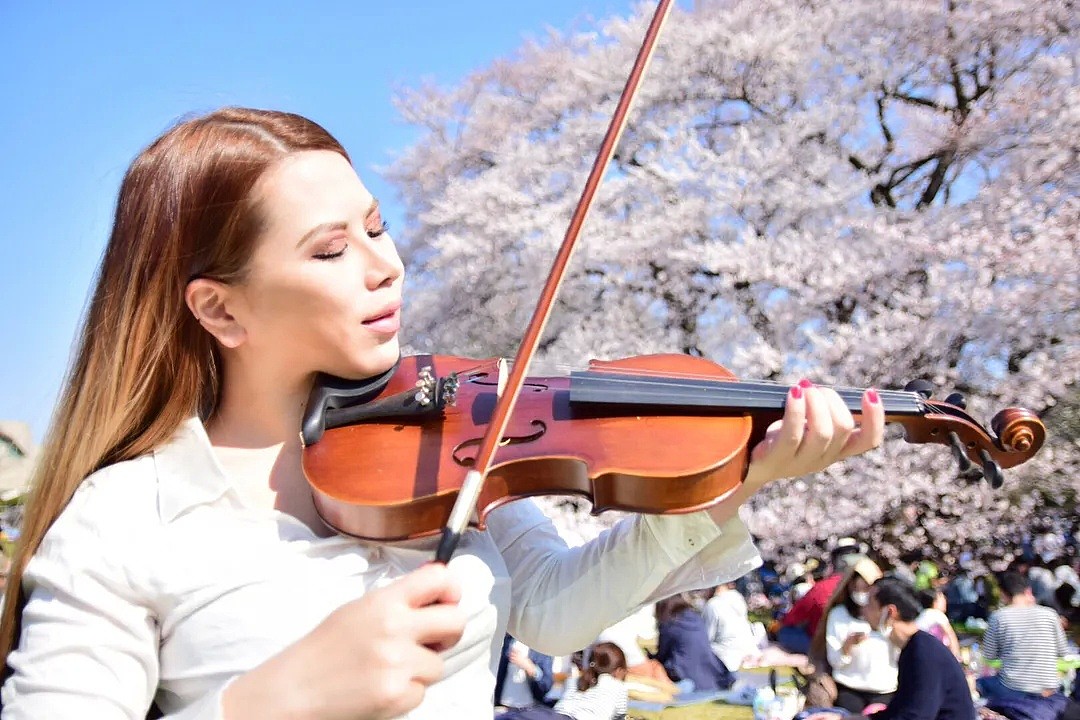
(188,472)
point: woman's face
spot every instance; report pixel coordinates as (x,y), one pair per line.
(859,585)
(323,288)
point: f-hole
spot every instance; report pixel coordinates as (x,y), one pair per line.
(468,461)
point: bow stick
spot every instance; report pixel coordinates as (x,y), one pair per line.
(465,503)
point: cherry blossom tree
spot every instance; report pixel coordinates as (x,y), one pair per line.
(861,192)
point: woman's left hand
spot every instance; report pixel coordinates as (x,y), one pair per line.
(816,430)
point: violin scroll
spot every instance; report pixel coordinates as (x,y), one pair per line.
(1015,435)
(1018,429)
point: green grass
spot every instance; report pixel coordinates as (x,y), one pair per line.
(710,710)
(704,711)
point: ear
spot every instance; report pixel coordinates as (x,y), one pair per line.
(209,302)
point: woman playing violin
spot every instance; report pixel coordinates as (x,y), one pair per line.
(172,554)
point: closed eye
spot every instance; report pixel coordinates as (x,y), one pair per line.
(382,229)
(330,255)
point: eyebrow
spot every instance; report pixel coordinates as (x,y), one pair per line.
(336,225)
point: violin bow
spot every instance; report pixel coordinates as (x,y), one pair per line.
(469,493)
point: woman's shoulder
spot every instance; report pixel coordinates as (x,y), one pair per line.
(117,502)
(930,617)
(126,499)
(840,614)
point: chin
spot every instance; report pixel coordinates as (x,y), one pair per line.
(379,359)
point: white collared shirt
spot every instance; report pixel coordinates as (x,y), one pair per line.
(158,584)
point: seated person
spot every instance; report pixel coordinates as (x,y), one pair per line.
(931,684)
(799,625)
(934,620)
(728,625)
(860,662)
(646,677)
(684,648)
(1028,639)
(524,676)
(599,694)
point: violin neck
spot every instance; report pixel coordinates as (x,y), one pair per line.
(671,393)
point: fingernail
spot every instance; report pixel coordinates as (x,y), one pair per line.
(804,383)
(796,392)
(872,396)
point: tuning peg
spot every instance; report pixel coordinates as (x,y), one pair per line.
(923,387)
(991,470)
(956,399)
(967,468)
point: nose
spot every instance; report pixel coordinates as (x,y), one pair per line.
(384,265)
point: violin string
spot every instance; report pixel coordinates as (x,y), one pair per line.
(637,374)
(734,391)
(766,386)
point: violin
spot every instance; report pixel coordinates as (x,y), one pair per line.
(652,434)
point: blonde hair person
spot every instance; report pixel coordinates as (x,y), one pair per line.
(860,660)
(171,552)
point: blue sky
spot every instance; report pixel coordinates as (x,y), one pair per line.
(87,85)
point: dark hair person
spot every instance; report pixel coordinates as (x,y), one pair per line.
(171,553)
(930,682)
(604,658)
(600,692)
(683,646)
(859,661)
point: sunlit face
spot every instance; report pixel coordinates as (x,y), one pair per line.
(323,288)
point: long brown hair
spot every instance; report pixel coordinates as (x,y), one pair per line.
(143,365)
(605,657)
(869,571)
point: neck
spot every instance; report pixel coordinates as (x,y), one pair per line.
(1025,600)
(902,632)
(257,410)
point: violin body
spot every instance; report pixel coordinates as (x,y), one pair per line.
(398,477)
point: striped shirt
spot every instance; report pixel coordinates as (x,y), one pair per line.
(605,700)
(1028,640)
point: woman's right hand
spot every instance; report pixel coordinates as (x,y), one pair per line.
(371,658)
(851,641)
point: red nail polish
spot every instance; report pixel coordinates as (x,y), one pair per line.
(872,396)
(796,392)
(804,383)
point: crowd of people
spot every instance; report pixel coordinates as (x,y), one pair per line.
(862,639)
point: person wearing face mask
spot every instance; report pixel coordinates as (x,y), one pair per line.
(861,662)
(930,682)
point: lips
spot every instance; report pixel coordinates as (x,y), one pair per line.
(385,321)
(387,312)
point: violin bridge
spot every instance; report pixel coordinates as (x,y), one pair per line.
(503,367)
